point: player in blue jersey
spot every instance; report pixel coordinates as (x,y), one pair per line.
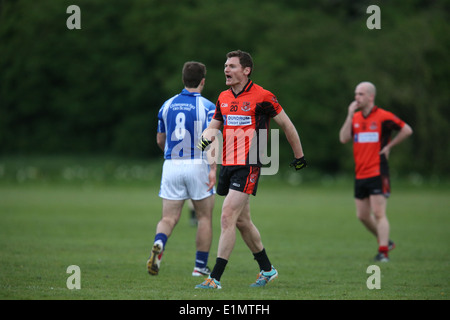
(186,173)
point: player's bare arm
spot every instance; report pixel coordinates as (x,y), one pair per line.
(161,140)
(345,134)
(212,175)
(405,132)
(209,133)
(212,130)
(292,136)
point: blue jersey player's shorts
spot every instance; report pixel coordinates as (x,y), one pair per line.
(185,179)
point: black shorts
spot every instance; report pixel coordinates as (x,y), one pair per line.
(240,178)
(372,186)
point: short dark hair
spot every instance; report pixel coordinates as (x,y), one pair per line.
(245,59)
(193,73)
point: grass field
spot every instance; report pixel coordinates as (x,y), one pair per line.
(311,235)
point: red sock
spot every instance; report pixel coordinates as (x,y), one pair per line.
(383,249)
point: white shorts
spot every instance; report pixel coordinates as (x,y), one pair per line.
(185,179)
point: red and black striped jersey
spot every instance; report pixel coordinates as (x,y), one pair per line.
(243,116)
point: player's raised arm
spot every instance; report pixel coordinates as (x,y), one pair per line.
(345,134)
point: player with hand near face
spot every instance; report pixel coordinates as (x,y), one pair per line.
(370,129)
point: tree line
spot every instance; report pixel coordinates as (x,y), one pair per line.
(98,89)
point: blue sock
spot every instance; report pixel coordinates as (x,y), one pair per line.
(162,237)
(201,259)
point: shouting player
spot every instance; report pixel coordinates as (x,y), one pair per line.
(243,110)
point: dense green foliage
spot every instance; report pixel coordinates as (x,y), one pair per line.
(97,90)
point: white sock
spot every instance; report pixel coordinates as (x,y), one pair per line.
(160,243)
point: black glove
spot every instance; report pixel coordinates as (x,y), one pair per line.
(299,163)
(203,143)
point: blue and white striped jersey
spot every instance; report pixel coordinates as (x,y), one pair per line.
(183,118)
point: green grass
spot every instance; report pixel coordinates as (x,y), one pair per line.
(311,235)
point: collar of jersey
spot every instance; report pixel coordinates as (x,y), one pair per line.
(188,93)
(245,89)
(372,111)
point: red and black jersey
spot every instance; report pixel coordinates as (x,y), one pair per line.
(370,135)
(243,116)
